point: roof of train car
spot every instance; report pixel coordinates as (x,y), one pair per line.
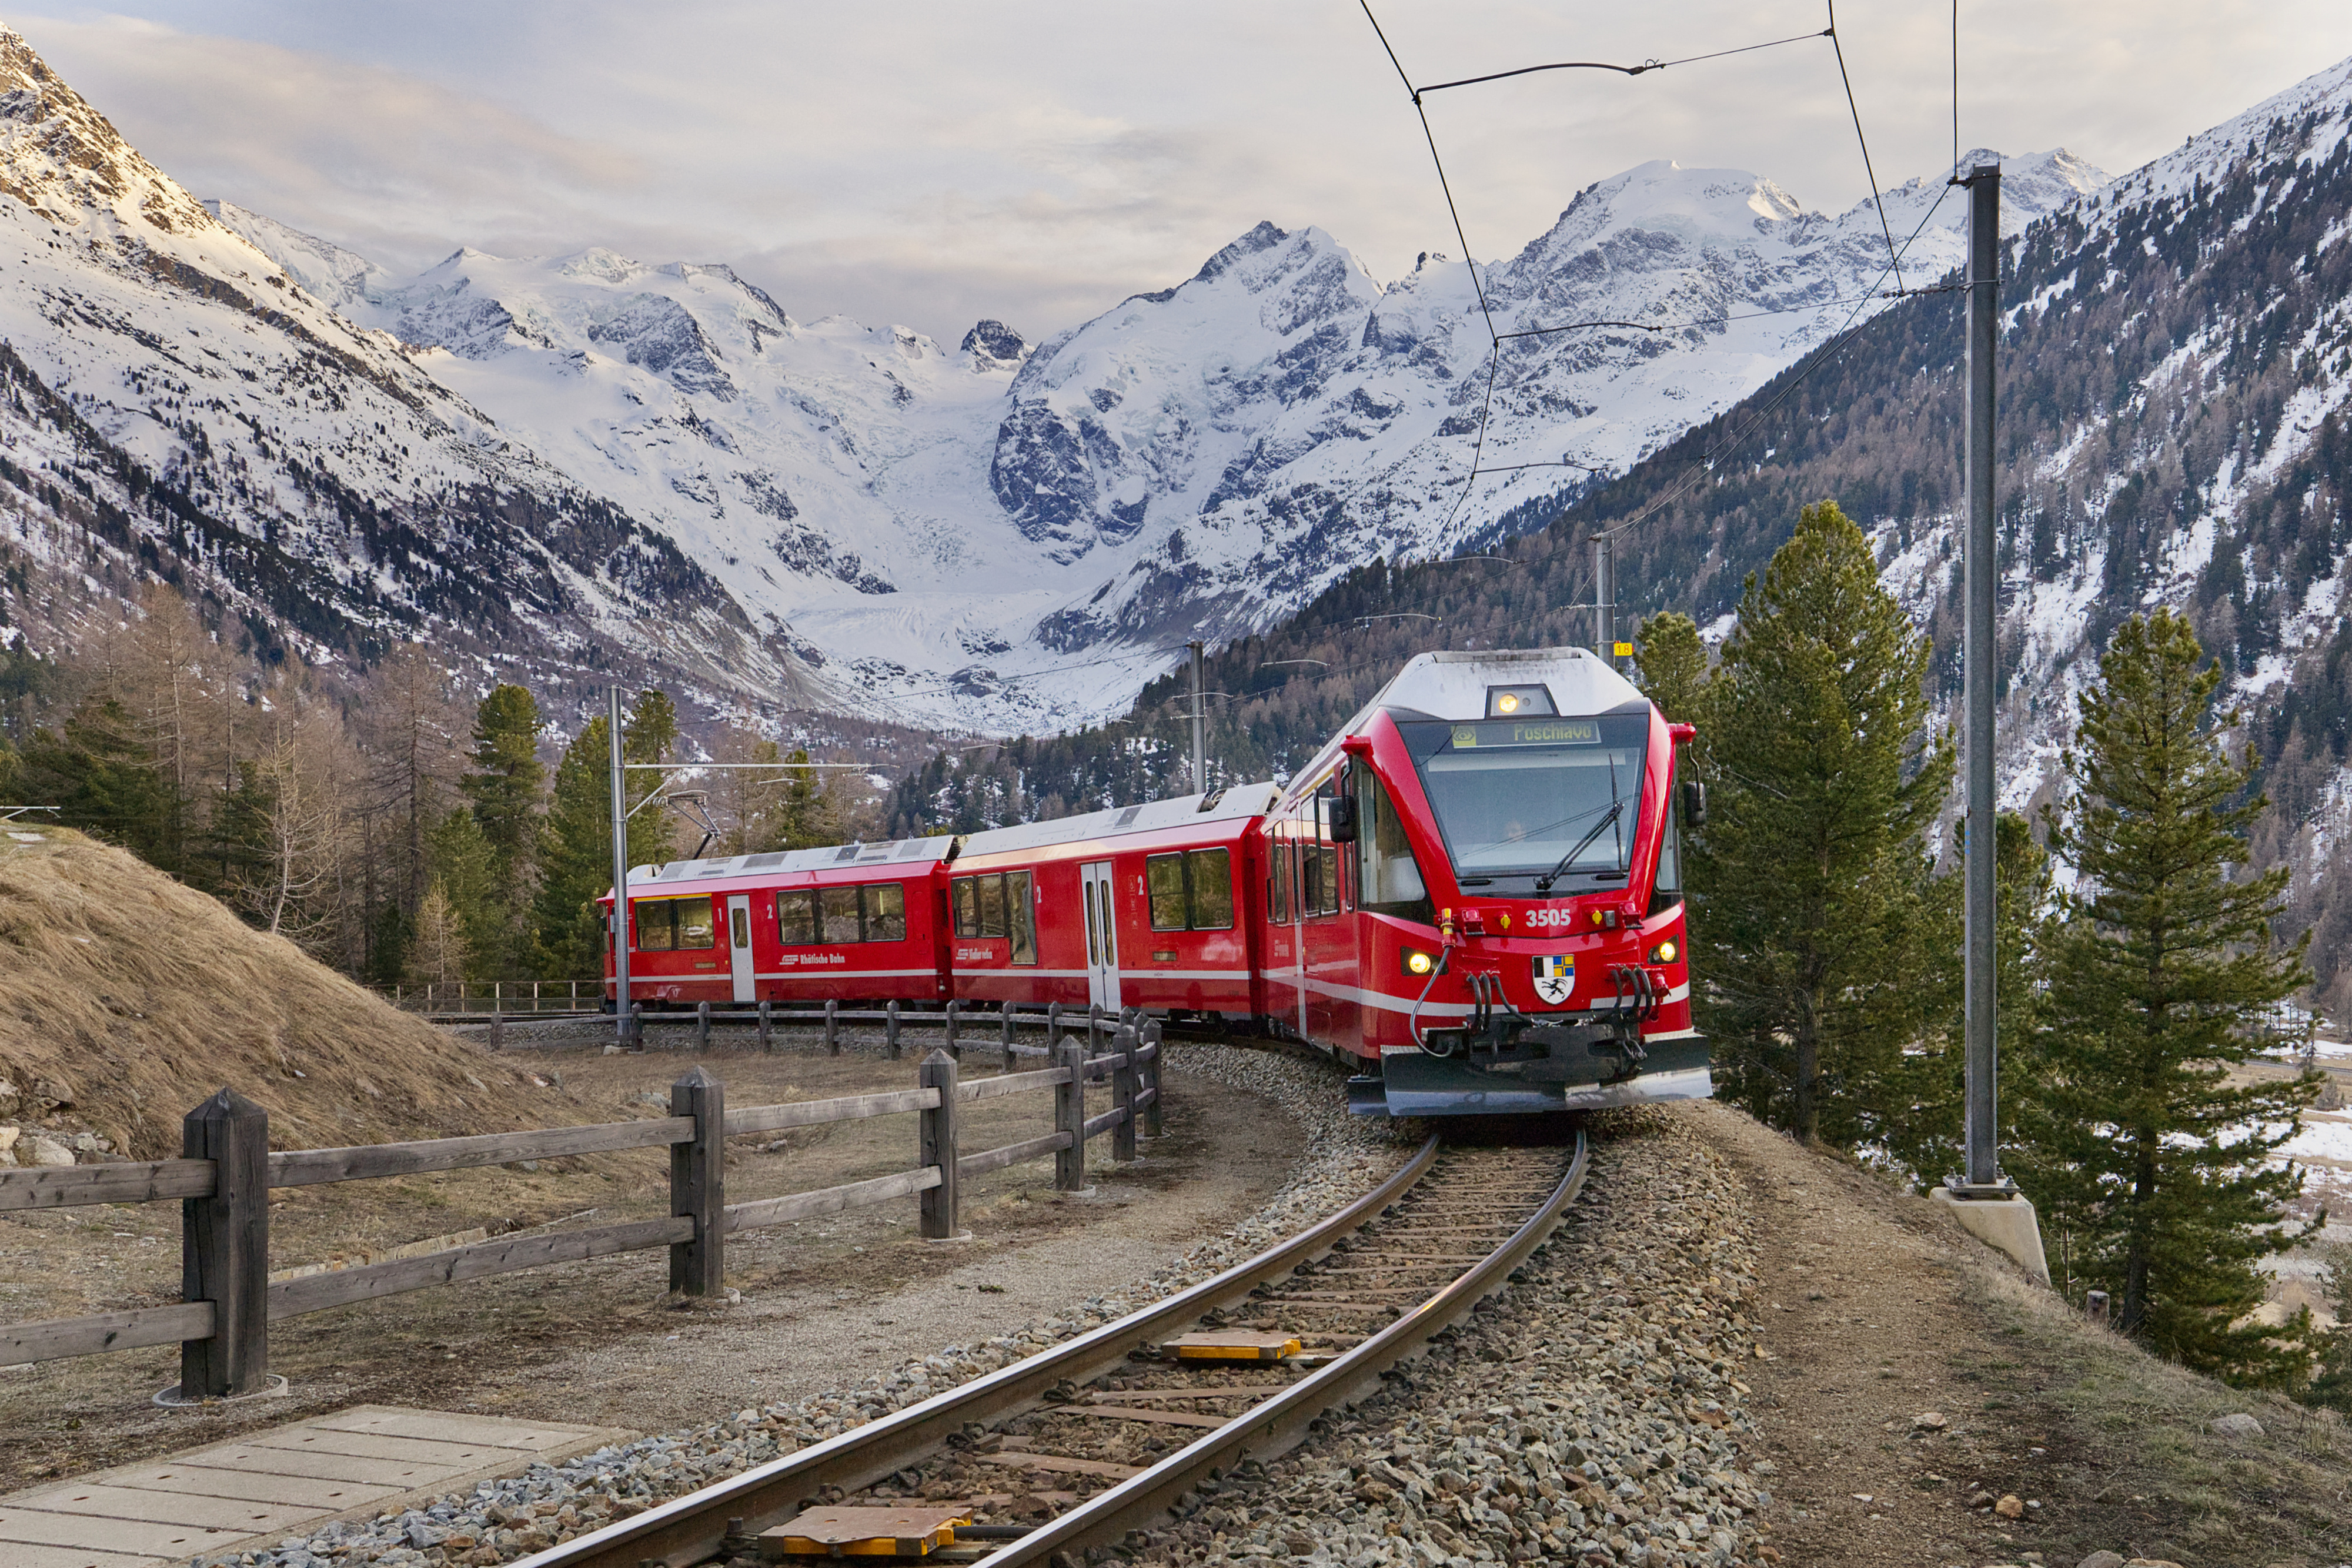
(1452,685)
(1236,804)
(831,857)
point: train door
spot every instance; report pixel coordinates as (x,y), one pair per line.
(1102,936)
(738,948)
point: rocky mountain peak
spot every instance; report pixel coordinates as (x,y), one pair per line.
(63,159)
(993,345)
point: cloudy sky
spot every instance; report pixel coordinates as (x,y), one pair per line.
(932,162)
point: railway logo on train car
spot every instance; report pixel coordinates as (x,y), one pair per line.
(1555,977)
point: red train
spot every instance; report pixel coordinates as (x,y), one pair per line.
(1472,895)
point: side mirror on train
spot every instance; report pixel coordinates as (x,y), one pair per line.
(1695,803)
(1341,813)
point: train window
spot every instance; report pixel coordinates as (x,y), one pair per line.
(967,906)
(741,925)
(1388,878)
(991,905)
(1310,881)
(796,918)
(1093,955)
(1210,872)
(885,912)
(1668,891)
(1163,877)
(665,924)
(1326,861)
(1020,915)
(838,906)
(1277,880)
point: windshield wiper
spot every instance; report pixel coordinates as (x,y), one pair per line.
(1616,809)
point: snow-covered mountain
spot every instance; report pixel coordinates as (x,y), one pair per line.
(588,459)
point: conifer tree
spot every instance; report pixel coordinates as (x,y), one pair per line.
(459,863)
(503,781)
(1673,672)
(576,838)
(2154,1170)
(1807,879)
(99,770)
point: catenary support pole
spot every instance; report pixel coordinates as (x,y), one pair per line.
(1199,727)
(1990,1208)
(1981,663)
(624,1021)
(1604,627)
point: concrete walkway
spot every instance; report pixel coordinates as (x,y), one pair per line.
(366,1460)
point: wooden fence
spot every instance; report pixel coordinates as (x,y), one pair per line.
(224,1178)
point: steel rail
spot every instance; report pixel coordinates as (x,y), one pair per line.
(687,1530)
(1279,1424)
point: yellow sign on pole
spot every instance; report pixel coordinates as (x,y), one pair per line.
(1624,650)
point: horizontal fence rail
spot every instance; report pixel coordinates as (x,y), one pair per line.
(223,1186)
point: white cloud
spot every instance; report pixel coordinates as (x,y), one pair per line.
(934,161)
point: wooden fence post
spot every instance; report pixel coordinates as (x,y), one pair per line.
(1122,1095)
(1093,1029)
(1011,1059)
(767,1026)
(498,1029)
(936,1145)
(1070,1117)
(832,1027)
(1151,1037)
(1053,1029)
(225,1247)
(702,1026)
(953,1049)
(890,1027)
(697,1184)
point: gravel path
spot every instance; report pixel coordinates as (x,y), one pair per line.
(1592,1414)
(1340,1158)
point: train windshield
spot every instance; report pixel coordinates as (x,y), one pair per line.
(1549,799)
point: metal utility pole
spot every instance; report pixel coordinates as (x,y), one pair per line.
(625,1022)
(1604,594)
(1986,1205)
(1982,657)
(1199,727)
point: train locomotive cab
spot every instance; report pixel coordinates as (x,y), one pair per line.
(1475,891)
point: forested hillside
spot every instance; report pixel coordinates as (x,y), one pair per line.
(2175,362)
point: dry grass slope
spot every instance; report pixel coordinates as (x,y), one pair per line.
(130,997)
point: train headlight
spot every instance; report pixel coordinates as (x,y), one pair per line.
(1666,952)
(1418,963)
(1508,702)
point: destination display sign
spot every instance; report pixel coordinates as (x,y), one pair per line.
(1496,732)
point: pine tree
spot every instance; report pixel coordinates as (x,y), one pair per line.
(1673,672)
(458,857)
(503,781)
(1807,879)
(2154,1169)
(99,770)
(1917,1100)
(576,837)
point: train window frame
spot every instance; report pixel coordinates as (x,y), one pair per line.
(963,897)
(1020,915)
(1382,848)
(803,900)
(872,896)
(840,907)
(1192,875)
(668,920)
(1666,881)
(1156,870)
(992,882)
(1197,876)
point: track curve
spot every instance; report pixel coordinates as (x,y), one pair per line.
(1506,1202)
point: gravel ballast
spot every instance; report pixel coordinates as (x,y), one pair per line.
(1592,1414)
(1340,1158)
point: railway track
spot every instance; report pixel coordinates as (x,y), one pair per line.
(1080,1445)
